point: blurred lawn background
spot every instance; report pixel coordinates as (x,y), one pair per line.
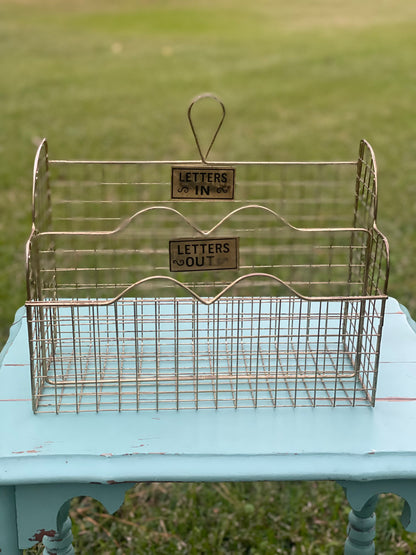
(300,80)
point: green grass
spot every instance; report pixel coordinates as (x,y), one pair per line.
(300,80)
(240,518)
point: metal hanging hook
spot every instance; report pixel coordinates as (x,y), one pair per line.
(194,101)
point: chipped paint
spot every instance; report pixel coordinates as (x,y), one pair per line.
(112,482)
(396,399)
(14,400)
(15,364)
(35,450)
(40,534)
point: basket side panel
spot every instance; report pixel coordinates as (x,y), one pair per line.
(41,194)
(363,322)
(379,264)
(42,326)
(365,214)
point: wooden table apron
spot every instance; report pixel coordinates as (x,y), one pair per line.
(47,459)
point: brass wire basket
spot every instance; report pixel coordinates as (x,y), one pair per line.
(295,319)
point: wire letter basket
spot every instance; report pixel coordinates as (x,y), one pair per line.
(197,284)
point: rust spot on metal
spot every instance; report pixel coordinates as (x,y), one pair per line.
(40,534)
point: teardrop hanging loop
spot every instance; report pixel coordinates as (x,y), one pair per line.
(198,144)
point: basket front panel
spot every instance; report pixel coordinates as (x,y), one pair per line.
(139,354)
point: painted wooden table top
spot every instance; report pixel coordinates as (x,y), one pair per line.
(342,443)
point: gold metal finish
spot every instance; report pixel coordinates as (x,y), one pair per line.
(203,183)
(290,315)
(203,254)
(191,122)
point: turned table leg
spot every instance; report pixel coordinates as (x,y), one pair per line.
(61,542)
(8,521)
(362,497)
(362,529)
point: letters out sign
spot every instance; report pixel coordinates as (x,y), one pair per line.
(202,183)
(203,254)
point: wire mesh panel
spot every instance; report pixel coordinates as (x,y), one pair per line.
(89,197)
(177,353)
(133,303)
(102,340)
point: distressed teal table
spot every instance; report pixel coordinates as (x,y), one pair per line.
(45,460)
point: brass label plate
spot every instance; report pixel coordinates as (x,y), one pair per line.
(202,183)
(190,255)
